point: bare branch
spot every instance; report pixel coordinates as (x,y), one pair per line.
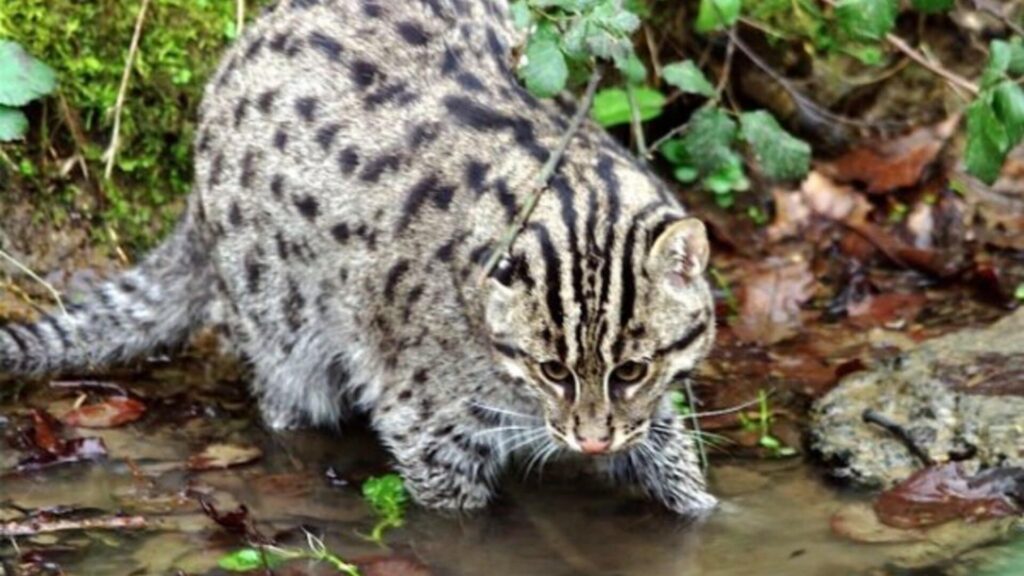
(111,152)
(540,181)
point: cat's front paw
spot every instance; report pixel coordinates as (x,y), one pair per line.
(452,494)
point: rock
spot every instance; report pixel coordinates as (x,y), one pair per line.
(959,397)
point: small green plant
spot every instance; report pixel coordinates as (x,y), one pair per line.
(680,403)
(762,424)
(23,79)
(387,496)
(995,119)
(271,557)
(1019,292)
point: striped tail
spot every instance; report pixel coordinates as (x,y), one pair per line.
(154,304)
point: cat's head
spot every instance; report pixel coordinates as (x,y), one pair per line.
(598,335)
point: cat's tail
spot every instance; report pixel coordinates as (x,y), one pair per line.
(154,304)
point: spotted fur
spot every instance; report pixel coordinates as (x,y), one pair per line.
(356,163)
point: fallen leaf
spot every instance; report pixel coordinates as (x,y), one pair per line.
(834,201)
(47,448)
(894,164)
(391,566)
(942,493)
(771,296)
(217,456)
(885,309)
(859,523)
(110,413)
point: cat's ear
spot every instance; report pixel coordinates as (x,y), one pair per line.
(680,253)
(499,296)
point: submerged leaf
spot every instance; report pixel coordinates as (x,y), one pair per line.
(112,412)
(223,456)
(248,559)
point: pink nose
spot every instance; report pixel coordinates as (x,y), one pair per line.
(594,446)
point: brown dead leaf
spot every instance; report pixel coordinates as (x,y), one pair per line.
(771,296)
(859,523)
(217,456)
(942,493)
(111,413)
(884,309)
(886,166)
(834,201)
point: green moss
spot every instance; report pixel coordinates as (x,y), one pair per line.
(87,43)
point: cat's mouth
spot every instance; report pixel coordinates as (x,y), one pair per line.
(612,442)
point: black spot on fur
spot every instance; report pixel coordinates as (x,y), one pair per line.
(293,305)
(253,272)
(364,73)
(301,4)
(248,168)
(348,160)
(308,207)
(420,376)
(469,81)
(280,139)
(405,395)
(282,245)
(395,92)
(240,108)
(277,186)
(326,45)
(216,169)
(372,8)
(306,107)
(394,277)
(476,175)
(412,33)
(376,167)
(427,187)
(470,113)
(254,48)
(235,215)
(325,135)
(443,197)
(340,232)
(450,64)
(279,41)
(266,101)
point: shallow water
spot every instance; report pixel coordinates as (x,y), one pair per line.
(775,516)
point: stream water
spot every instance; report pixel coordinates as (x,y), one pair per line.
(776,516)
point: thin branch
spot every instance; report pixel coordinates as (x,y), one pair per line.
(872,416)
(540,181)
(111,152)
(948,75)
(36,526)
(730,50)
(636,123)
(239,16)
(28,272)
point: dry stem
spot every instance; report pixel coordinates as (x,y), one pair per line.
(33,527)
(111,152)
(28,272)
(540,181)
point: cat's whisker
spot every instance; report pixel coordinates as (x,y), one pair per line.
(502,411)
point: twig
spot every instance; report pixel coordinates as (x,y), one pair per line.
(111,152)
(37,526)
(1009,23)
(872,416)
(951,77)
(636,123)
(25,269)
(239,16)
(76,134)
(540,181)
(727,67)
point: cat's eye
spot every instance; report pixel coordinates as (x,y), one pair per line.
(629,372)
(556,372)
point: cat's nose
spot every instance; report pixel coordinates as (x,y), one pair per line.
(589,446)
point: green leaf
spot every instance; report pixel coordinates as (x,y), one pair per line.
(933,6)
(1019,292)
(686,174)
(22,77)
(1003,58)
(867,19)
(687,77)
(987,144)
(780,155)
(632,68)
(611,105)
(611,15)
(386,494)
(13,124)
(1008,103)
(708,140)
(545,71)
(717,14)
(521,15)
(248,559)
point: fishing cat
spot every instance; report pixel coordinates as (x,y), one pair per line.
(356,163)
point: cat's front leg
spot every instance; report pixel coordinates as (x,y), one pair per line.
(443,455)
(667,467)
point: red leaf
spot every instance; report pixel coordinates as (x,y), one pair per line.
(44,434)
(942,493)
(112,412)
